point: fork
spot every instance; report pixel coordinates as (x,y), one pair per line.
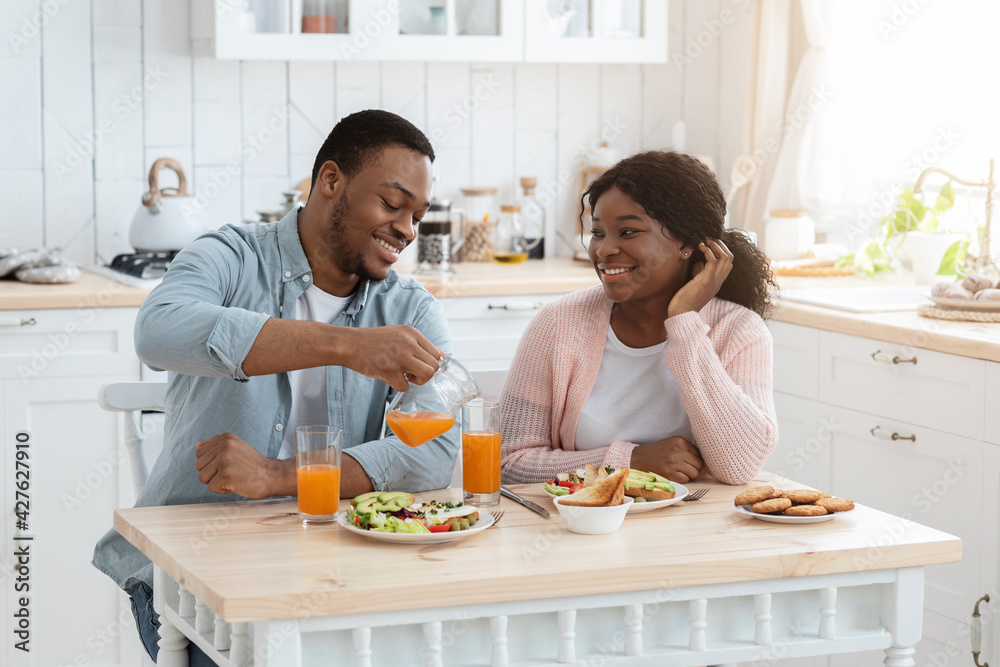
(496,517)
(697,495)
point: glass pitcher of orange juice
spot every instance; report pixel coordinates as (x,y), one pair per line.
(428,410)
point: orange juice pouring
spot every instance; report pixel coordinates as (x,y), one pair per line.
(424,412)
(416,428)
(481,453)
(317,472)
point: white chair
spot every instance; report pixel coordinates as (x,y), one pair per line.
(132,398)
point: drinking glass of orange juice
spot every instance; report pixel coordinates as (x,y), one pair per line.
(317,472)
(426,411)
(481,452)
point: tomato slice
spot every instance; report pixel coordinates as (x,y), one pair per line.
(568,484)
(573,488)
(440,528)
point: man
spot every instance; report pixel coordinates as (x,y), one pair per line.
(265,328)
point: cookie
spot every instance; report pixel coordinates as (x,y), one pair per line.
(778,493)
(988,294)
(805,510)
(802,496)
(754,495)
(976,282)
(835,504)
(771,506)
(825,494)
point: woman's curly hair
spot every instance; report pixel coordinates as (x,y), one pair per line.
(681,193)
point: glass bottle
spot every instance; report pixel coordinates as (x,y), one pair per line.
(509,243)
(426,411)
(532,217)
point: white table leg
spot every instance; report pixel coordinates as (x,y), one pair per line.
(498,637)
(432,644)
(902,613)
(828,613)
(362,647)
(697,641)
(567,637)
(762,630)
(173,644)
(223,640)
(633,630)
(239,646)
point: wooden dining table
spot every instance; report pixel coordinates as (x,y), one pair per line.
(693,583)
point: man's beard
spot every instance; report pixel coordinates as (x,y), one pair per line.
(349,259)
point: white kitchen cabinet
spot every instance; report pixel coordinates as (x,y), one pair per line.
(591,31)
(797,347)
(912,385)
(991,398)
(925,476)
(49,376)
(595,31)
(485,331)
(912,440)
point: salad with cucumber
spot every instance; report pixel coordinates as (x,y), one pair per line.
(397,512)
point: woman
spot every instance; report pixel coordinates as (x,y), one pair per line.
(667,365)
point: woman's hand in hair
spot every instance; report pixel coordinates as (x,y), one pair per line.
(675,458)
(706,281)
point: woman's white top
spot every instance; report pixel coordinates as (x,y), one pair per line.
(635,399)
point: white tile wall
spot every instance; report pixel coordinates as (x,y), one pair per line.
(104,87)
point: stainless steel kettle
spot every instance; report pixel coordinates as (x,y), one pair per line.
(166,221)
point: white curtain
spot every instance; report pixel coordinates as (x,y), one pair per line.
(754,169)
(798,180)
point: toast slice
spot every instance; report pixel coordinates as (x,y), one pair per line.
(608,491)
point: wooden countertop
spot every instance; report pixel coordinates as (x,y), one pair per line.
(89,291)
(977,340)
(254,561)
(546,276)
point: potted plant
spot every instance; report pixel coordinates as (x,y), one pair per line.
(914,230)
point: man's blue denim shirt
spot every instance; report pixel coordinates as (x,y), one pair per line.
(200,323)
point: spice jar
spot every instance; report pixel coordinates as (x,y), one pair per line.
(480,216)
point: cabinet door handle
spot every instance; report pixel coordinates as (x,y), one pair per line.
(885,435)
(977,633)
(516,305)
(17,322)
(887,358)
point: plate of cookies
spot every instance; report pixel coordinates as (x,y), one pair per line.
(790,506)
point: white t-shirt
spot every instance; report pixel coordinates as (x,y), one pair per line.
(635,399)
(309,384)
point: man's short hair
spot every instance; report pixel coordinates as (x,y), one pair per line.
(358,140)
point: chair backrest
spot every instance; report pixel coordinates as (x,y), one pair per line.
(133,398)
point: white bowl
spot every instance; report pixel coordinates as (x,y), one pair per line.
(592,520)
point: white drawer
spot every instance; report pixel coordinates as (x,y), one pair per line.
(796,359)
(935,480)
(68,342)
(485,331)
(991,399)
(912,385)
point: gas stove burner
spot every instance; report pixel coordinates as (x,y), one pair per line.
(145,265)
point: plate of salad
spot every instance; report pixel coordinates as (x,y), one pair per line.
(566,483)
(401,520)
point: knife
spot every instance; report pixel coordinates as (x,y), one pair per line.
(534,507)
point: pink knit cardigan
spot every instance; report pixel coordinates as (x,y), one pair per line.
(720,356)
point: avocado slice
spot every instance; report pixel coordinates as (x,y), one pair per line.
(363,497)
(366,506)
(386,496)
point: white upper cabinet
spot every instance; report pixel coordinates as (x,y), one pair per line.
(592,31)
(595,31)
